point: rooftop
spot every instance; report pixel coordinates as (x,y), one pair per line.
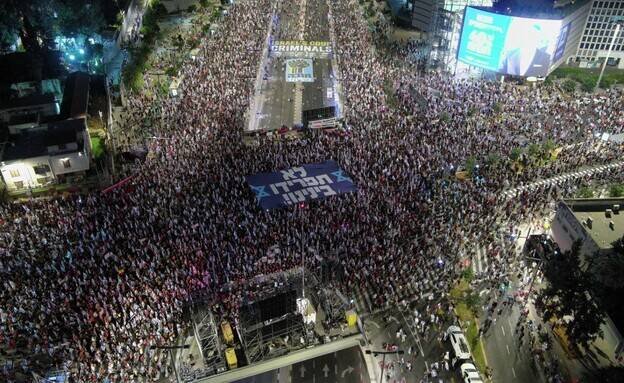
(538,9)
(29,66)
(30,100)
(595,209)
(75,95)
(34,142)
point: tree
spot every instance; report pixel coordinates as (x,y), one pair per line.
(616,190)
(618,246)
(604,375)
(569,85)
(585,192)
(609,270)
(547,147)
(566,295)
(78,17)
(37,22)
(30,20)
(515,154)
(534,151)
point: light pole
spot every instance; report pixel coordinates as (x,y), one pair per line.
(618,23)
(538,266)
(299,208)
(111,135)
(383,361)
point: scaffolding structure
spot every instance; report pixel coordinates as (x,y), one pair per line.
(262,341)
(263,337)
(207,336)
(444,37)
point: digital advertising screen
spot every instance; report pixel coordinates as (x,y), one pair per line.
(510,45)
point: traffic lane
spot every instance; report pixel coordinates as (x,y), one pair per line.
(509,358)
(315,94)
(345,366)
(389,323)
(277,94)
(434,348)
(265,377)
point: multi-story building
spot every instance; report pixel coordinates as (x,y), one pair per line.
(44,142)
(598,34)
(49,153)
(597,223)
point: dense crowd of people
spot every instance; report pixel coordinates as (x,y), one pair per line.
(95,281)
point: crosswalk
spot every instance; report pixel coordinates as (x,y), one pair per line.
(560,179)
(480,261)
(365,300)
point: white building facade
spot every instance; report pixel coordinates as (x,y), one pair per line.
(40,157)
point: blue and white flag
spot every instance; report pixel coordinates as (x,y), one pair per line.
(299,184)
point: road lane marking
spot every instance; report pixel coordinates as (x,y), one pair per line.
(507,346)
(510,327)
(503,329)
(513,372)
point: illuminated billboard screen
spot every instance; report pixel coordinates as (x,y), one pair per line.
(510,45)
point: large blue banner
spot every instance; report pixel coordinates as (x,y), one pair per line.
(299,184)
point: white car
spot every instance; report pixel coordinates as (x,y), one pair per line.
(470,374)
(459,343)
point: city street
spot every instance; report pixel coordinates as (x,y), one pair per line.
(279,102)
(295,191)
(382,329)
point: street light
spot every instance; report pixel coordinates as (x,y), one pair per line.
(383,361)
(618,23)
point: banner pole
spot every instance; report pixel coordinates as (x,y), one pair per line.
(302,260)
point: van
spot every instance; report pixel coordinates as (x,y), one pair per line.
(459,343)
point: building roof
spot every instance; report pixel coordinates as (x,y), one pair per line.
(34,142)
(595,209)
(19,119)
(538,9)
(75,95)
(29,66)
(31,100)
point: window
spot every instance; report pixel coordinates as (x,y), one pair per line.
(66,163)
(42,169)
(14,173)
(19,184)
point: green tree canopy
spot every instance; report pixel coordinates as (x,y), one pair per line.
(567,295)
(37,22)
(604,375)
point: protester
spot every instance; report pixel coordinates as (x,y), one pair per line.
(92,282)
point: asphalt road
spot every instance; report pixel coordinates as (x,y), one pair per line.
(510,359)
(276,97)
(382,328)
(344,366)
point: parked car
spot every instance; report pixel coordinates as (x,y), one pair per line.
(470,374)
(459,343)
